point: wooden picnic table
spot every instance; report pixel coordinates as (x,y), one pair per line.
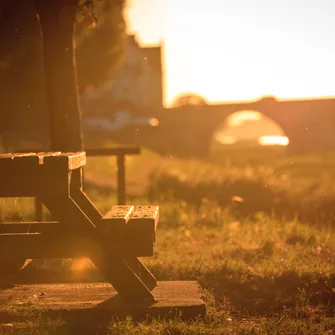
(113,242)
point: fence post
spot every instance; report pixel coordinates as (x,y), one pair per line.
(121,187)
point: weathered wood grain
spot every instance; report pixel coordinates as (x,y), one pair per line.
(22,161)
(37,245)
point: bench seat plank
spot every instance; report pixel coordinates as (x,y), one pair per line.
(22,161)
(119,214)
(145,217)
(111,151)
(52,228)
(134,221)
(48,227)
(30,174)
(66,160)
(115,220)
(37,245)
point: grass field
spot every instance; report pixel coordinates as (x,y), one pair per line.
(255,227)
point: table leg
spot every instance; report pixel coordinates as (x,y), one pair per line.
(82,200)
(115,270)
(134,263)
(142,272)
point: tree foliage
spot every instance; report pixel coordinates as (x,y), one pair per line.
(99,36)
(189,99)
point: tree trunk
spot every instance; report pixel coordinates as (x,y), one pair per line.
(57,18)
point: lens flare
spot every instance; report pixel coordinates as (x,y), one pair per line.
(273,140)
(154,122)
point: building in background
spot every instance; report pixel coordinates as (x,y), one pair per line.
(134,97)
(140,80)
(136,90)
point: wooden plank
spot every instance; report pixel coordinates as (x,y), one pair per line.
(16,183)
(144,218)
(37,245)
(93,304)
(139,216)
(19,161)
(128,284)
(53,228)
(24,184)
(67,211)
(117,216)
(28,176)
(83,201)
(66,160)
(142,272)
(130,223)
(97,152)
(55,182)
(35,173)
(29,227)
(20,156)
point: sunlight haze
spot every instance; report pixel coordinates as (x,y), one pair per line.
(240,49)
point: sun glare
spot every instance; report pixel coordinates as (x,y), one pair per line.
(273,140)
(239,118)
(80,265)
(223,139)
(238,128)
(237,50)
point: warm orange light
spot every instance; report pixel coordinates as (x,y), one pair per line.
(80,265)
(154,122)
(222,139)
(248,62)
(239,118)
(273,140)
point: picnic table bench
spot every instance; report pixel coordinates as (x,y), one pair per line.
(113,241)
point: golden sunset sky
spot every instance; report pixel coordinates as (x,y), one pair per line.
(241,49)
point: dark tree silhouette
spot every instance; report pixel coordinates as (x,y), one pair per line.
(99,38)
(100,47)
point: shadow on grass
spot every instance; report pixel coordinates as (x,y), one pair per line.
(246,292)
(253,295)
(235,292)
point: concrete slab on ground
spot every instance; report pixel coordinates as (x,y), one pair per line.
(84,301)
